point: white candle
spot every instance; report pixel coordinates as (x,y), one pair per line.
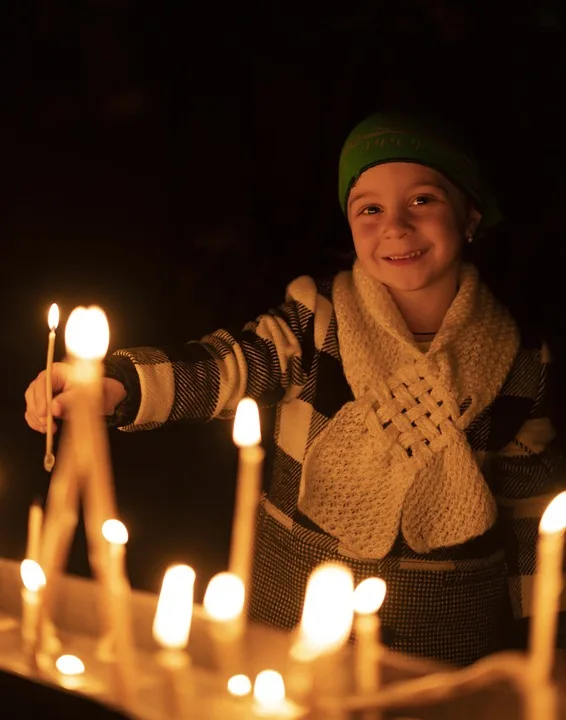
(239,685)
(121,630)
(33,579)
(247,436)
(53,322)
(116,535)
(328,611)
(58,528)
(171,628)
(270,699)
(325,627)
(547,589)
(224,603)
(368,598)
(224,599)
(35,523)
(87,337)
(71,669)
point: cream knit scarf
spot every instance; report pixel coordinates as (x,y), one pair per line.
(397,456)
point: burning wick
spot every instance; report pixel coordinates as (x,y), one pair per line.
(270,700)
(121,634)
(247,436)
(368,599)
(34,581)
(171,630)
(547,589)
(71,668)
(223,604)
(53,322)
(239,685)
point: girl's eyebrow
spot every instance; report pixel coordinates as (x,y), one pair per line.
(428,183)
(360,196)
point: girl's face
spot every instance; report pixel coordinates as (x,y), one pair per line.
(409,225)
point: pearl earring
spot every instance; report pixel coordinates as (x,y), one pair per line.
(470,238)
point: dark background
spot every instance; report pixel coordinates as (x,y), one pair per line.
(178,167)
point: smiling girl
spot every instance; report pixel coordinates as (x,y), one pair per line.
(412,438)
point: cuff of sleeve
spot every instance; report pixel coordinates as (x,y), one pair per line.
(121,368)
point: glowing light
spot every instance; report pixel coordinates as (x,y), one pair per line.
(87,334)
(32,575)
(247,429)
(115,532)
(369,595)
(53,317)
(239,685)
(173,617)
(554,517)
(328,611)
(269,690)
(224,597)
(70,665)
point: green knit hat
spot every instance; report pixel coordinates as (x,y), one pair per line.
(394,137)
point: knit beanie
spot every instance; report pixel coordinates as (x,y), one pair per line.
(395,137)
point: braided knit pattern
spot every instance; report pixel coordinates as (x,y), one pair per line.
(397,457)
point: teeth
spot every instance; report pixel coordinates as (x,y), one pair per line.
(406,257)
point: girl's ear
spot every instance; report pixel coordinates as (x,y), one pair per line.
(474,219)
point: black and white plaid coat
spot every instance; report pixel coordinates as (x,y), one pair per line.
(455,604)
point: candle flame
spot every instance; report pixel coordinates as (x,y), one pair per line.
(115,532)
(224,597)
(239,685)
(269,689)
(53,317)
(70,665)
(87,334)
(554,517)
(247,429)
(32,575)
(328,611)
(174,614)
(369,596)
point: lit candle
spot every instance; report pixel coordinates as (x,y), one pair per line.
(325,627)
(223,603)
(270,700)
(53,322)
(71,669)
(116,535)
(121,630)
(58,528)
(87,337)
(33,579)
(224,599)
(547,590)
(35,522)
(171,628)
(328,611)
(247,436)
(368,598)
(239,685)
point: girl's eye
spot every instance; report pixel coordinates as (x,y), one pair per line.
(422,200)
(371,210)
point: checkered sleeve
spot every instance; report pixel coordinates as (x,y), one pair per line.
(529,472)
(269,361)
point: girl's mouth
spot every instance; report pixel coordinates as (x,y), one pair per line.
(408,258)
